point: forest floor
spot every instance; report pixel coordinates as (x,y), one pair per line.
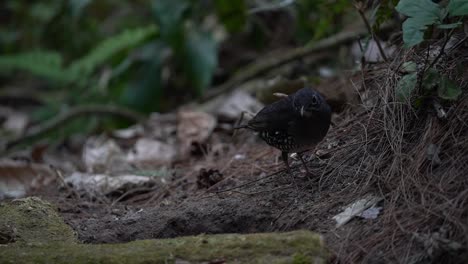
(242,190)
(186,173)
(230,184)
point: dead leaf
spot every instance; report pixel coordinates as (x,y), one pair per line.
(151,152)
(193,127)
(236,103)
(106,184)
(14,122)
(371,213)
(162,127)
(129,132)
(101,154)
(372,53)
(18,178)
(355,209)
(207,178)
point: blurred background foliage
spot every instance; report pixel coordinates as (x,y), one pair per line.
(149,55)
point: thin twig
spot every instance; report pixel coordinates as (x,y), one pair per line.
(360,10)
(442,49)
(71,114)
(133,191)
(64,183)
(441,52)
(270,62)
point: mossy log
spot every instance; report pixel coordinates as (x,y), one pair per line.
(31,231)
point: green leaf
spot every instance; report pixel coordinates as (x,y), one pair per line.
(448,90)
(431,79)
(111,46)
(409,66)
(458,7)
(233,14)
(413,33)
(425,10)
(449,26)
(406,86)
(200,58)
(169,15)
(421,13)
(45,64)
(50,58)
(144,95)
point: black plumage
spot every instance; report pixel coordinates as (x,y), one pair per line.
(293,124)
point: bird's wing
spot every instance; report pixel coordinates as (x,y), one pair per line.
(273,117)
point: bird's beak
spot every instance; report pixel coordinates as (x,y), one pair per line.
(302,110)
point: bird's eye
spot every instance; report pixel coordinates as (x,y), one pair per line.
(313,101)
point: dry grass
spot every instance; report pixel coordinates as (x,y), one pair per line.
(425,217)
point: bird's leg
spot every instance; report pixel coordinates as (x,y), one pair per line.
(284,155)
(303,163)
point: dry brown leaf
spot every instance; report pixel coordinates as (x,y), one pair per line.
(193,127)
(372,53)
(105,184)
(151,152)
(14,122)
(101,154)
(236,103)
(18,178)
(129,132)
(162,127)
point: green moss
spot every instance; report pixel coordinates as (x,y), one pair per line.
(32,220)
(299,258)
(233,248)
(42,237)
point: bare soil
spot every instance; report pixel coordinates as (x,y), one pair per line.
(250,196)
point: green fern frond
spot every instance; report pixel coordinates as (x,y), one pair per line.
(111,46)
(46,64)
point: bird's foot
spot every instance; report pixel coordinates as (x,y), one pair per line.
(307,173)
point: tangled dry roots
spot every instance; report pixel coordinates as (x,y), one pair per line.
(419,164)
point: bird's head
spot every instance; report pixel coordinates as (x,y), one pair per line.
(308,102)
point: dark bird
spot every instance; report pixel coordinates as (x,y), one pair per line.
(293,124)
